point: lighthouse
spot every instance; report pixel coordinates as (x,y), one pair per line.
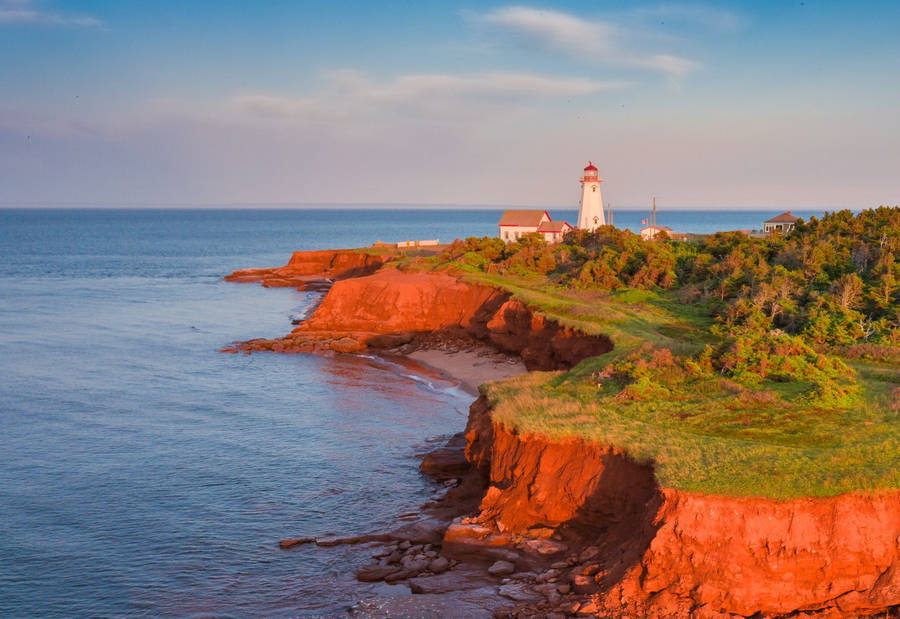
(590,211)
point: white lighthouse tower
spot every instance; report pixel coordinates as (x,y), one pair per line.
(590,211)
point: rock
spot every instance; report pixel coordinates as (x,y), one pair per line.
(546,590)
(588,609)
(404,545)
(476,542)
(395,557)
(501,568)
(519,593)
(543,547)
(556,615)
(590,570)
(588,553)
(560,565)
(374,573)
(584,584)
(448,462)
(289,543)
(415,565)
(439,565)
(548,575)
(564,588)
(396,576)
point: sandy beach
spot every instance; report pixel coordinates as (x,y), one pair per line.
(470,367)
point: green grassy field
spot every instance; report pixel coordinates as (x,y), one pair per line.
(706,433)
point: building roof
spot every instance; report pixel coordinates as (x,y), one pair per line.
(554,226)
(590,166)
(784,218)
(524,217)
(657,228)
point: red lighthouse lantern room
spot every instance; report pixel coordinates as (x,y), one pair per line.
(590,173)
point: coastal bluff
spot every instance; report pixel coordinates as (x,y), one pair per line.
(615,541)
(371,308)
(308,267)
(661,552)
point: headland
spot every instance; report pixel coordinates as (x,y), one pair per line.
(708,428)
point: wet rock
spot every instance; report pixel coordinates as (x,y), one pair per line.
(290,543)
(501,568)
(448,462)
(374,573)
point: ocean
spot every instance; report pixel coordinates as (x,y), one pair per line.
(142,472)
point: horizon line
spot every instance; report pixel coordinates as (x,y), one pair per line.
(17,205)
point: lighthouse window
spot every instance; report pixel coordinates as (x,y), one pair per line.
(594,188)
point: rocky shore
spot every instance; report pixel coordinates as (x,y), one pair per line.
(529,527)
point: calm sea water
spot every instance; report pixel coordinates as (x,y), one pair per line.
(144,473)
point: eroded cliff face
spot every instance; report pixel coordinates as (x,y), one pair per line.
(305,267)
(671,554)
(390,308)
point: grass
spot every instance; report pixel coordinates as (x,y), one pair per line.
(628,317)
(711,438)
(702,434)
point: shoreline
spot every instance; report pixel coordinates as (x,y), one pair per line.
(471,367)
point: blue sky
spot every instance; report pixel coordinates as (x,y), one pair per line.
(732,104)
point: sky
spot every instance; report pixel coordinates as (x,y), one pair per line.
(224,102)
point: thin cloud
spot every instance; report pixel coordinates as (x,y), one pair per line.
(350,93)
(588,40)
(26,12)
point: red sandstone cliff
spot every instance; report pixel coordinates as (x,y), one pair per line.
(671,554)
(390,308)
(307,266)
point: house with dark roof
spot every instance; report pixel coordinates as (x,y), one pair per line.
(783,223)
(517,222)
